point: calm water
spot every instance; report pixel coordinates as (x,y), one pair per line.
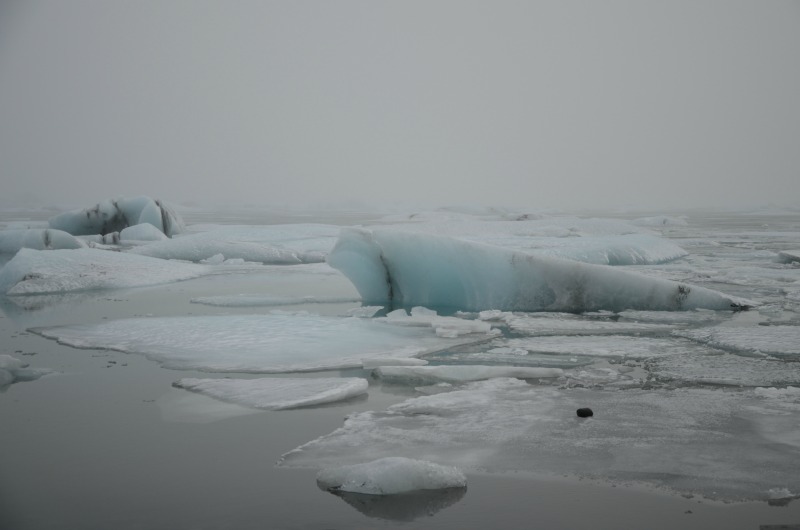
(108,443)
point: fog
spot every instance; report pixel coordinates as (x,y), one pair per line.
(543,104)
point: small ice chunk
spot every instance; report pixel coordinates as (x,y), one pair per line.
(13,370)
(460,373)
(390,476)
(141,232)
(277,393)
(216,259)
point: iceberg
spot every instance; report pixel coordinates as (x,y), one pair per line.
(390,476)
(722,444)
(141,232)
(13,370)
(429,375)
(271,343)
(271,393)
(403,269)
(59,271)
(116,214)
(38,239)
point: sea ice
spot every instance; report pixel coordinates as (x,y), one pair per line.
(779,341)
(616,346)
(405,269)
(38,239)
(116,214)
(415,375)
(542,324)
(278,393)
(272,343)
(390,476)
(58,271)
(249,300)
(694,441)
(444,326)
(724,369)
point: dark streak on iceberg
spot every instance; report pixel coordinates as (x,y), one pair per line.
(403,269)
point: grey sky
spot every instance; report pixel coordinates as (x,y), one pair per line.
(541,104)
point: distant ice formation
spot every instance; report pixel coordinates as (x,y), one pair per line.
(116,214)
(278,393)
(38,239)
(403,269)
(391,476)
(60,271)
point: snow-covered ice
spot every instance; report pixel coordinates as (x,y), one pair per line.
(407,269)
(278,393)
(273,343)
(390,476)
(58,271)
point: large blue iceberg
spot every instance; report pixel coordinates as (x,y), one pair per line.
(114,215)
(403,269)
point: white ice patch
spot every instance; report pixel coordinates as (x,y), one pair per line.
(274,244)
(780,341)
(390,476)
(415,375)
(542,324)
(278,393)
(724,369)
(12,370)
(273,343)
(38,239)
(407,269)
(617,346)
(58,271)
(691,440)
(450,327)
(249,300)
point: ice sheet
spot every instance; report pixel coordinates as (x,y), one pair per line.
(58,271)
(694,441)
(278,393)
(390,476)
(406,269)
(273,343)
(141,232)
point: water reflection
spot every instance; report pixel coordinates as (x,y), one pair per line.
(402,507)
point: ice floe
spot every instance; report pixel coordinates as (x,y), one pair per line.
(542,324)
(390,476)
(272,343)
(616,346)
(250,300)
(443,326)
(38,239)
(116,214)
(415,375)
(58,271)
(278,393)
(406,269)
(141,232)
(693,441)
(779,341)
(724,369)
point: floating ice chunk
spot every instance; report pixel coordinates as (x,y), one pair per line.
(58,271)
(273,343)
(406,269)
(278,393)
(390,476)
(13,370)
(414,375)
(38,239)
(245,300)
(371,363)
(141,232)
(698,441)
(114,215)
(780,341)
(789,256)
(450,327)
(541,324)
(660,221)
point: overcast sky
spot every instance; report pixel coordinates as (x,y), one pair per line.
(567,104)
